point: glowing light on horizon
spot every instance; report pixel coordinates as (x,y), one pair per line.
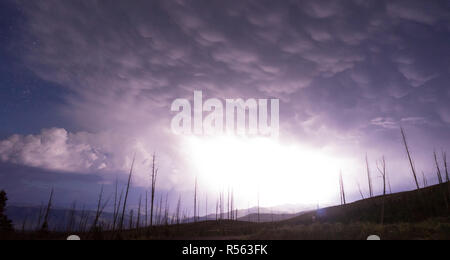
(280,173)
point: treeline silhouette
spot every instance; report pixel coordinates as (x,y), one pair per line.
(6,226)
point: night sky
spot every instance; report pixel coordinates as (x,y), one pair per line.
(86,84)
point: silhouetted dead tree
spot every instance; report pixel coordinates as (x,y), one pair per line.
(444,156)
(341,185)
(382,170)
(138,221)
(369,178)
(82,217)
(40,216)
(71,223)
(100,208)
(413,169)
(178,211)
(126,194)
(195,201)
(259,212)
(85,221)
(228,205)
(425,181)
(441,180)
(154,177)
(115,204)
(117,211)
(221,206)
(157,212)
(389,183)
(146,209)
(47,213)
(360,191)
(166,210)
(160,219)
(131,219)
(439,175)
(217,209)
(24,223)
(206,207)
(232,205)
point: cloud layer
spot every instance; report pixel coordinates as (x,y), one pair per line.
(348,73)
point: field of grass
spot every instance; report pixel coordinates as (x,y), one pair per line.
(416,215)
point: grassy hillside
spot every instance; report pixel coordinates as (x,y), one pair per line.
(411,206)
(419,214)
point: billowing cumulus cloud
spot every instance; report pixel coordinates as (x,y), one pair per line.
(58,150)
(348,73)
(54,149)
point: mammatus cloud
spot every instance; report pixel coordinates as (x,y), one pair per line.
(415,11)
(391,123)
(343,70)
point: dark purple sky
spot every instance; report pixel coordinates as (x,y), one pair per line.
(85,84)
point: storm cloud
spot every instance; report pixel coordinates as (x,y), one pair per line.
(348,74)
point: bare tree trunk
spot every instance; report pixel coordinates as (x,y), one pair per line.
(389,183)
(99,204)
(217,209)
(47,213)
(409,157)
(24,224)
(117,210)
(221,206)
(228,204)
(100,208)
(138,222)
(369,177)
(178,210)
(131,219)
(341,182)
(166,211)
(115,204)
(195,201)
(71,223)
(160,210)
(232,205)
(382,171)
(85,221)
(259,215)
(40,217)
(80,224)
(444,156)
(439,175)
(441,181)
(360,191)
(154,176)
(425,182)
(126,194)
(146,209)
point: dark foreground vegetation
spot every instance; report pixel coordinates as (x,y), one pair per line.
(413,215)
